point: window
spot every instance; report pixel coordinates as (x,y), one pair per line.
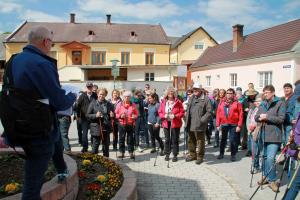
(265,78)
(98,57)
(233,80)
(149,57)
(125,56)
(149,76)
(53,54)
(208,80)
(199,45)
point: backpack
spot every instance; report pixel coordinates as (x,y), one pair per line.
(23,117)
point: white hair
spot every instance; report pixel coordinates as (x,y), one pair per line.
(127,93)
(170,89)
(39,33)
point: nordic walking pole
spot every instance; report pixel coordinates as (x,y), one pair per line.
(285,162)
(113,130)
(277,160)
(170,141)
(252,167)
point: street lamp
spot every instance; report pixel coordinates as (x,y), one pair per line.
(115,71)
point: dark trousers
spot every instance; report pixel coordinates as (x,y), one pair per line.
(295,187)
(139,130)
(115,135)
(126,131)
(217,137)
(171,140)
(154,133)
(79,130)
(36,164)
(105,144)
(197,140)
(64,125)
(234,139)
(85,129)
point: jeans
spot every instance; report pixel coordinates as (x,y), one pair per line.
(64,125)
(36,164)
(105,144)
(79,130)
(233,138)
(154,132)
(126,131)
(85,129)
(269,152)
(295,187)
(139,127)
(171,140)
(255,149)
(217,137)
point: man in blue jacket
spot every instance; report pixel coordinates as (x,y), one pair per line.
(34,70)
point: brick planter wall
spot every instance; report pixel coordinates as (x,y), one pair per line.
(52,190)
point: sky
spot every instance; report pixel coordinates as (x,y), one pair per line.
(177,17)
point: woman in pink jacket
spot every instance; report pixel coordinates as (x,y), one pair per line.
(171,113)
(126,113)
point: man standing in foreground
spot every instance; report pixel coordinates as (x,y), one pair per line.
(198,113)
(33,70)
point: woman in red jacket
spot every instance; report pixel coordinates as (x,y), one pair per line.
(171,113)
(126,113)
(229,120)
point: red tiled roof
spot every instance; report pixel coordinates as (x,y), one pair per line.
(277,39)
(102,33)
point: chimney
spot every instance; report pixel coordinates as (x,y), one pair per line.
(108,19)
(237,31)
(72,18)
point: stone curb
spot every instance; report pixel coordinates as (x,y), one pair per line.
(52,189)
(228,179)
(128,190)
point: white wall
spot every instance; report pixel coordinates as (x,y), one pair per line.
(246,74)
(71,73)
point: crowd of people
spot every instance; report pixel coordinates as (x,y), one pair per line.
(261,123)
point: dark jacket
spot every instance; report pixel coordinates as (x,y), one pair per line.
(33,70)
(272,128)
(199,111)
(83,103)
(105,108)
(290,106)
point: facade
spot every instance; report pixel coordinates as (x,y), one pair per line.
(84,50)
(186,49)
(270,56)
(2,54)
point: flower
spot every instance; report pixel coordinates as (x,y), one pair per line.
(12,188)
(81,174)
(86,162)
(93,186)
(101,178)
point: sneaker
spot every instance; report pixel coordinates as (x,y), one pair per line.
(274,186)
(174,159)
(189,159)
(139,149)
(153,150)
(248,154)
(131,156)
(220,156)
(161,153)
(167,158)
(121,156)
(261,182)
(62,176)
(199,161)
(233,158)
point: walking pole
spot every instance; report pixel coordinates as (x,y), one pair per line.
(263,153)
(285,162)
(277,160)
(184,142)
(170,143)
(156,154)
(292,181)
(252,164)
(133,126)
(113,129)
(101,131)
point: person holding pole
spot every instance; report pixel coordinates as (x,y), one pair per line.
(271,113)
(171,113)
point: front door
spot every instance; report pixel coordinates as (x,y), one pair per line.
(76,58)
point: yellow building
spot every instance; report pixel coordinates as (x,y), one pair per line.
(186,50)
(84,50)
